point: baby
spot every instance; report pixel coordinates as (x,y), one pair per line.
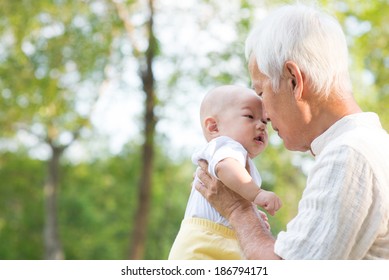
(234,125)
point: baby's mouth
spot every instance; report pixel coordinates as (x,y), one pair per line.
(259,138)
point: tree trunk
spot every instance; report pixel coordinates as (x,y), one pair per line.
(139,234)
(53,248)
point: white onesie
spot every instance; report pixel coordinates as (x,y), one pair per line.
(213,152)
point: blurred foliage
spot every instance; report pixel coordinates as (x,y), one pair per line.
(21,207)
(50,51)
(367,27)
(41,87)
(96,200)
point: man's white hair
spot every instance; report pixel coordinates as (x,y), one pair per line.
(312,39)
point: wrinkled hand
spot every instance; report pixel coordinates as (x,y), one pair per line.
(224,200)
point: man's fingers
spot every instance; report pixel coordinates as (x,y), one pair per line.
(200,187)
(262,215)
(264,218)
(203,174)
(203,164)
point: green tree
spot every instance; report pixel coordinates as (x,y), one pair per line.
(53,62)
(145,59)
(365,25)
(97,197)
(21,206)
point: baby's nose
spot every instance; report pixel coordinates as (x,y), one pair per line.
(261,125)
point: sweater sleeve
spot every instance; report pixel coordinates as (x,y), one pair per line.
(330,223)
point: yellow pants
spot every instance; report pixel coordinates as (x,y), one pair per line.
(201,239)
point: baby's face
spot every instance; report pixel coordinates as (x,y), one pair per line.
(244,120)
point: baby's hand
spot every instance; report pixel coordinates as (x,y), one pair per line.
(268,201)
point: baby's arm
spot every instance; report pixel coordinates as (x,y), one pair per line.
(238,179)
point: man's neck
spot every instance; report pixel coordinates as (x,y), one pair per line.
(330,111)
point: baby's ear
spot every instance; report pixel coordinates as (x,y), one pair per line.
(210,125)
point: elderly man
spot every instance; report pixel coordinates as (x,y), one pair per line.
(298,63)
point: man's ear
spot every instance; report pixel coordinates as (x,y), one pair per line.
(210,125)
(294,78)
